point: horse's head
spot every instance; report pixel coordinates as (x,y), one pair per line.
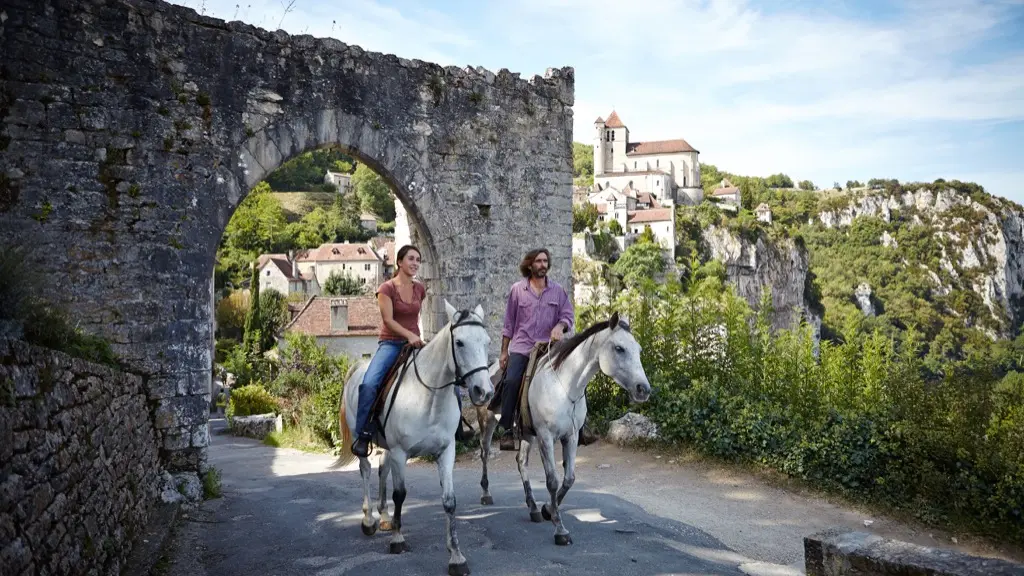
(619,358)
(470,343)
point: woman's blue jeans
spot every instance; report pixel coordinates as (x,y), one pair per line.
(383,360)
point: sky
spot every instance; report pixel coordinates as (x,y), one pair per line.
(824,90)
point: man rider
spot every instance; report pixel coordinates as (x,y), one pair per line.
(538,310)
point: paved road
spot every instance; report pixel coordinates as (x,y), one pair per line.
(286,512)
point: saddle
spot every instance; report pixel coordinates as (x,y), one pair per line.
(385,388)
(522,418)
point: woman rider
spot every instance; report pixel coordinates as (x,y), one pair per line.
(399,300)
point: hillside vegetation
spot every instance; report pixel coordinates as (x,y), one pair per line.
(916,404)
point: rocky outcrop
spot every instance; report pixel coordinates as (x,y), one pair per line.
(781,266)
(981,243)
(863,296)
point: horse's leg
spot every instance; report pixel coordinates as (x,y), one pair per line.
(457,565)
(398,459)
(550,511)
(369,525)
(382,507)
(487,425)
(523,460)
(569,445)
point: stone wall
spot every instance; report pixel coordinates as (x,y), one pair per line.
(79,469)
(838,553)
(131,129)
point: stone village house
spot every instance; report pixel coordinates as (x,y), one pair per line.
(305,272)
(347,325)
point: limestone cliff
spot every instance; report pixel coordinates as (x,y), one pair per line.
(779,265)
(980,240)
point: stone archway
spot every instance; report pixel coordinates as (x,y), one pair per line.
(131,129)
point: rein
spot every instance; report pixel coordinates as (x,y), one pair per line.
(460,379)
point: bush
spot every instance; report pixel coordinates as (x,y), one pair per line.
(250,400)
(859,417)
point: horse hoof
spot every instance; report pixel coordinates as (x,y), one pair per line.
(369,530)
(486,500)
(398,547)
(547,513)
(562,540)
(536,517)
(458,569)
(385,525)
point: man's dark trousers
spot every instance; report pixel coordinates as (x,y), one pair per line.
(510,390)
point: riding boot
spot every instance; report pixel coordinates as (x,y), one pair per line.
(361,446)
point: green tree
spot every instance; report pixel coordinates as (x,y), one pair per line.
(615,228)
(643,260)
(373,193)
(584,216)
(582,164)
(647,235)
(338,284)
(252,341)
(806,185)
(273,315)
(305,172)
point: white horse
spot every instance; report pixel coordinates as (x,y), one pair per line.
(558,407)
(420,419)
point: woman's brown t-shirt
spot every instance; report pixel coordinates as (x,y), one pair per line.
(407,314)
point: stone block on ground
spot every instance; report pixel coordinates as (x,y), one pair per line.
(632,427)
(841,553)
(257,426)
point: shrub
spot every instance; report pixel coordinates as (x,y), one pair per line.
(859,417)
(250,400)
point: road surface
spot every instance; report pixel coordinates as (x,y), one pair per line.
(286,512)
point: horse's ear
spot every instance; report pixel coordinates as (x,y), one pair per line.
(450,310)
(613,323)
(479,311)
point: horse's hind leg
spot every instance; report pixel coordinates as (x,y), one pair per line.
(457,565)
(547,454)
(487,425)
(523,460)
(369,525)
(397,466)
(382,507)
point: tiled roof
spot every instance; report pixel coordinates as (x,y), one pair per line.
(282,263)
(315,317)
(648,198)
(725,191)
(339,253)
(658,147)
(652,215)
(599,120)
(613,121)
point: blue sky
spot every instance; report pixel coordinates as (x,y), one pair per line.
(826,90)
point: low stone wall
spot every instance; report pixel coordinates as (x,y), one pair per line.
(79,469)
(837,553)
(256,426)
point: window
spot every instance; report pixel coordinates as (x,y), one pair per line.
(613,135)
(634,164)
(268,271)
(366,267)
(362,280)
(657,162)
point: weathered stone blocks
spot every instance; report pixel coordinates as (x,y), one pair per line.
(77,452)
(131,129)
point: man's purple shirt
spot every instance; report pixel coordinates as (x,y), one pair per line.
(530,318)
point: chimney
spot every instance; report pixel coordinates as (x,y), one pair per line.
(295,265)
(339,314)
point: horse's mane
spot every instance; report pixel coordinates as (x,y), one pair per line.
(561,350)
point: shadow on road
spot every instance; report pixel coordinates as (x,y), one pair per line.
(285,512)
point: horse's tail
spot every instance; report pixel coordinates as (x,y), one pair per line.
(345,455)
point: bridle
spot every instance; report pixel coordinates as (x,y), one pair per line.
(460,379)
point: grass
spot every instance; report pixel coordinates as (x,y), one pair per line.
(298,204)
(299,438)
(211,484)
